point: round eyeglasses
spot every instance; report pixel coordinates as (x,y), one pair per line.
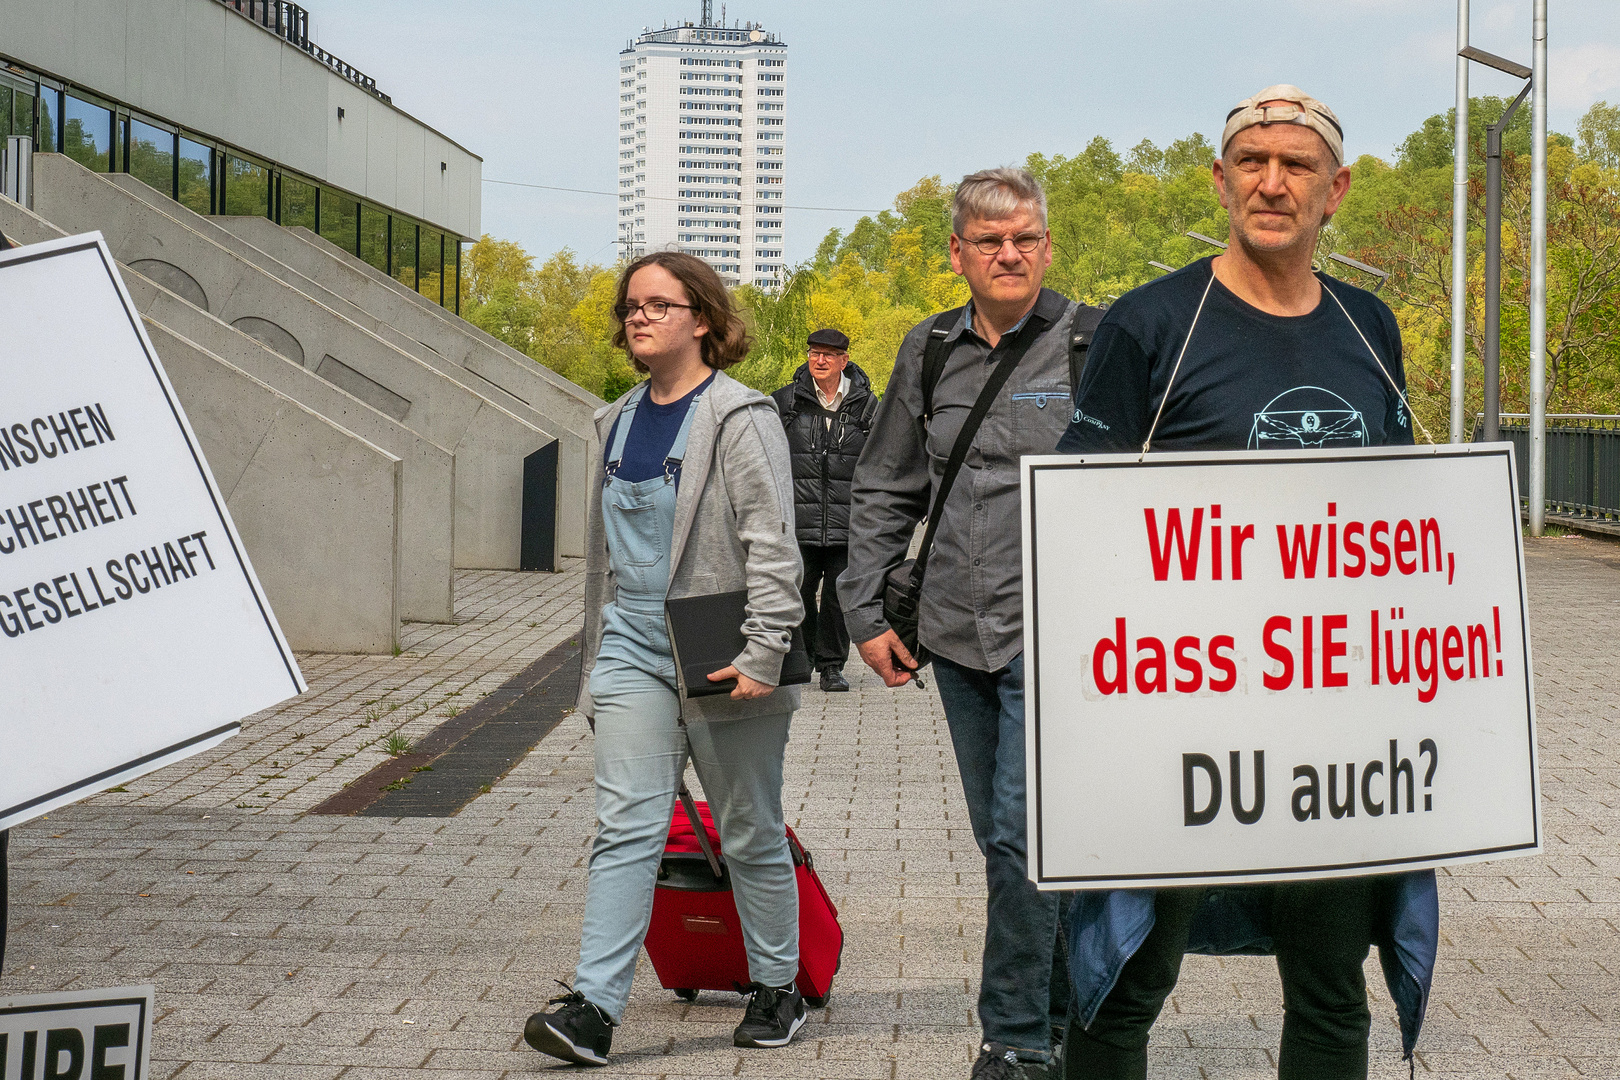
(654,310)
(991,245)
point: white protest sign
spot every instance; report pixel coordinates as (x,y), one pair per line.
(134,631)
(1283,664)
(93,1034)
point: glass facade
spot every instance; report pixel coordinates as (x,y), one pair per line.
(429,276)
(374,237)
(210,178)
(16,111)
(403,266)
(297,203)
(87,134)
(196,177)
(247,188)
(45,123)
(340,220)
(151,156)
(452,273)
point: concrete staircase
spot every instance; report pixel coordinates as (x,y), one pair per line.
(369,442)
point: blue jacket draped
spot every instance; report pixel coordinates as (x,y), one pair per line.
(1107,927)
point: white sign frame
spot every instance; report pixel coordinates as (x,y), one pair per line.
(1055,859)
(114,1003)
(155,716)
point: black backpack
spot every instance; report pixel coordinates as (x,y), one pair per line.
(902,586)
(1082,330)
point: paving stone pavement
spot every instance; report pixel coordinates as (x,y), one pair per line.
(285,945)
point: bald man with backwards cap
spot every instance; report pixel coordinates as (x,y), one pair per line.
(1252,349)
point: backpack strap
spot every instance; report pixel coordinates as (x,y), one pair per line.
(790,412)
(868,412)
(935,353)
(1081,332)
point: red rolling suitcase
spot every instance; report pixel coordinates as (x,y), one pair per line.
(695,940)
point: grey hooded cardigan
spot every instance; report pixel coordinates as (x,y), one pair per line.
(733,530)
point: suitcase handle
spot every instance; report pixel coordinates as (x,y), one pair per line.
(702,833)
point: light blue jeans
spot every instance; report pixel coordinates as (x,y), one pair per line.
(641,752)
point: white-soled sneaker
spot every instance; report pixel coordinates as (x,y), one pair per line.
(577,1031)
(774,1016)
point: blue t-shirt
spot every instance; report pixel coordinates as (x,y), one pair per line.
(1249,379)
(653,428)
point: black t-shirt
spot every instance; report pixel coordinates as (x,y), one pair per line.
(652,434)
(1249,380)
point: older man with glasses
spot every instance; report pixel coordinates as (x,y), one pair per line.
(970,610)
(827,411)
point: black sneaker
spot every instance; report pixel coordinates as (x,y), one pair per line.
(773,1017)
(999,1062)
(833,682)
(578,1031)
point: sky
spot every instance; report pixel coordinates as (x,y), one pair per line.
(883,94)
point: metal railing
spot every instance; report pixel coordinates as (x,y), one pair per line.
(1583,462)
(291,23)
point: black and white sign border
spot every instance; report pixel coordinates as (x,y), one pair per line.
(127,770)
(1034,468)
(139,997)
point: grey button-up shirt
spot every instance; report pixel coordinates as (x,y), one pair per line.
(972,608)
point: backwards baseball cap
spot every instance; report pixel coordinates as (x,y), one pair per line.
(1302,109)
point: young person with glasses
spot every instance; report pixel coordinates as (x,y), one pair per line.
(693,496)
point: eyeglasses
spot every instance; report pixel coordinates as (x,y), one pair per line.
(991,245)
(814,355)
(654,310)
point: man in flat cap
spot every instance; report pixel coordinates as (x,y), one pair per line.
(1252,349)
(827,411)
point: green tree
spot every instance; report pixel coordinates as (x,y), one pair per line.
(1110,214)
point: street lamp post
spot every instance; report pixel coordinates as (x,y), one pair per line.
(1538,268)
(1493,268)
(1536,87)
(1459,229)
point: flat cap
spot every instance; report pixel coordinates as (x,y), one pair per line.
(830,339)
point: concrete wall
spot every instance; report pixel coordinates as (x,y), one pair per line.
(316,505)
(427,500)
(432,341)
(489,443)
(196,64)
(513,380)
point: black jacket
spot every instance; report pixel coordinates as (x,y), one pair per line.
(824,455)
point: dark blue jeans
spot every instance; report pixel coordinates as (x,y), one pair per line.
(1019,998)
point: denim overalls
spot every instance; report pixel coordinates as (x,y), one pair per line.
(639,518)
(642,747)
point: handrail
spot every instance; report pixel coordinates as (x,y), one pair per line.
(1556,416)
(290,22)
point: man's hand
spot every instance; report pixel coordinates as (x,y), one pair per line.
(886,655)
(746,688)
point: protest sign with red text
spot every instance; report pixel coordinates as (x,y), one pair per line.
(1241,667)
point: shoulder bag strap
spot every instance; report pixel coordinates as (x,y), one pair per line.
(964,439)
